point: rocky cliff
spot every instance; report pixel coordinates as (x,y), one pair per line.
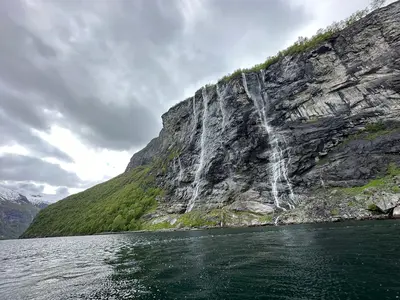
(16,213)
(313,137)
(269,141)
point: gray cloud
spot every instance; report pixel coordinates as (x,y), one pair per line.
(24,188)
(26,168)
(111,69)
(62,190)
(108,70)
(16,132)
(35,192)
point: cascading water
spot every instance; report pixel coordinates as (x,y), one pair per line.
(262,76)
(221,105)
(278,166)
(180,175)
(194,118)
(174,165)
(203,151)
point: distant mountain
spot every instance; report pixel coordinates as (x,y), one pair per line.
(17,212)
(38,200)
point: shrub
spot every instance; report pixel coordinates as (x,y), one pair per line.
(334,212)
(372,207)
(396,189)
(393,170)
(197,219)
(375,127)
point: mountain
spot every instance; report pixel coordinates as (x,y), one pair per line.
(312,134)
(16,212)
(40,201)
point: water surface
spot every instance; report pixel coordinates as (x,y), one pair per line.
(355,260)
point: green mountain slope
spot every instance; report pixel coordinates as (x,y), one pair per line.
(115,205)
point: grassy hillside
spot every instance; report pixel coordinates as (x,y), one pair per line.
(115,205)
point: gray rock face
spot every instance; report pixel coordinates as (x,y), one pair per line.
(329,117)
(16,213)
(15,218)
(396,212)
(387,203)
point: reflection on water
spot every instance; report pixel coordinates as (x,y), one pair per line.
(332,261)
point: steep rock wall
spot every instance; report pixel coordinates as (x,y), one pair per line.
(265,141)
(313,137)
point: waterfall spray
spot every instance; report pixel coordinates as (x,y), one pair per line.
(194,119)
(278,166)
(221,105)
(180,175)
(203,149)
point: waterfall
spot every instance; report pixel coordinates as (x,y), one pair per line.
(174,166)
(278,165)
(180,170)
(276,222)
(262,76)
(200,167)
(194,119)
(321,179)
(221,106)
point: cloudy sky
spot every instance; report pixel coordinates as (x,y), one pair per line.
(83,83)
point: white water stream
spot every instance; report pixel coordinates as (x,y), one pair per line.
(203,151)
(278,165)
(221,105)
(180,175)
(194,118)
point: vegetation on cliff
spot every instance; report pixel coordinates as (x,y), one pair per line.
(387,182)
(373,131)
(304,44)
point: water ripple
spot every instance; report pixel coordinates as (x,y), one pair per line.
(354,260)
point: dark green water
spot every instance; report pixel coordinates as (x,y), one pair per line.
(359,260)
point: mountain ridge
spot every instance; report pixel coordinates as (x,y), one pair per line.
(16,212)
(313,137)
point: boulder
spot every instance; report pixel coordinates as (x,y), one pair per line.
(387,202)
(396,212)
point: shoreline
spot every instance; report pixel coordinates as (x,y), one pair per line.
(380,217)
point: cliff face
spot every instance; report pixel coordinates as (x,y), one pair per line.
(16,213)
(313,137)
(266,141)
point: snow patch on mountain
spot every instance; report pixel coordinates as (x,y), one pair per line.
(10,195)
(41,201)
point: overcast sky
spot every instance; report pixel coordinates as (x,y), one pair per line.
(83,83)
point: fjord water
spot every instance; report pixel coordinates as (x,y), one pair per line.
(352,260)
